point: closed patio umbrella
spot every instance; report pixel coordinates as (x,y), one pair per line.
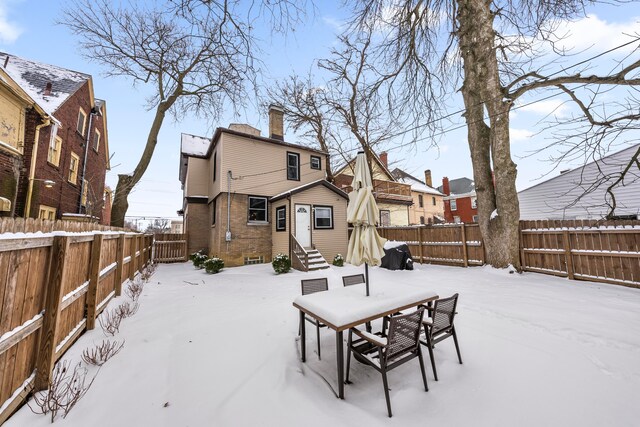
(365,245)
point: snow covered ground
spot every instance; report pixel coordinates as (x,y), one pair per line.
(222,351)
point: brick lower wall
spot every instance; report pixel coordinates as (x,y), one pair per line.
(197,225)
(247,240)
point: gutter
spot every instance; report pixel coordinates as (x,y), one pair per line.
(84,162)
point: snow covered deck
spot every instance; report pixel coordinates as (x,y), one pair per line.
(222,350)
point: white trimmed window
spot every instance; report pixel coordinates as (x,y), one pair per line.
(73,168)
(454,205)
(474,203)
(323,216)
(82,121)
(47,212)
(96,140)
(53,156)
(293,166)
(281,219)
(456,219)
(257,209)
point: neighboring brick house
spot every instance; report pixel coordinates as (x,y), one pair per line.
(428,205)
(460,202)
(249,197)
(19,116)
(65,153)
(393,198)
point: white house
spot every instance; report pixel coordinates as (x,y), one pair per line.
(581,193)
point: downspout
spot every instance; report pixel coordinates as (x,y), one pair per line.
(84,162)
(227,236)
(290,231)
(34,157)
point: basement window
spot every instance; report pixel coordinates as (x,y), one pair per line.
(253,260)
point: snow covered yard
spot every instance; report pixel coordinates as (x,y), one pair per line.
(223,351)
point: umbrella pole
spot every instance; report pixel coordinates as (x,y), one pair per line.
(366,276)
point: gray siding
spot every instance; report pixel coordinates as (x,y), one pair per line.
(572,195)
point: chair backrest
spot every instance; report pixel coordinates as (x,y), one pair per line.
(404,334)
(353,279)
(444,310)
(311,286)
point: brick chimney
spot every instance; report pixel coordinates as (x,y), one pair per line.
(427,177)
(445,186)
(276,122)
(383,159)
(47,89)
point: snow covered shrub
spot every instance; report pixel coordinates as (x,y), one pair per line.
(148,271)
(125,309)
(281,264)
(198,259)
(66,388)
(110,322)
(213,265)
(134,289)
(99,354)
(338,260)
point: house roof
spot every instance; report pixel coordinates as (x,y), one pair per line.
(342,169)
(193,145)
(33,77)
(305,187)
(416,184)
(460,186)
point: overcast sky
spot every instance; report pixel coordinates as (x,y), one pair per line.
(31,32)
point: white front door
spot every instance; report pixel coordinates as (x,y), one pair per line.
(303,225)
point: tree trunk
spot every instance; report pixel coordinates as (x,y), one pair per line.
(126,182)
(489,143)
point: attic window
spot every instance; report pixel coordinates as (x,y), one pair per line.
(82,119)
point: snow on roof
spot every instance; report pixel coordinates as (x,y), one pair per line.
(193,145)
(419,186)
(34,78)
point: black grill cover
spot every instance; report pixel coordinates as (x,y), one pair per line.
(398,258)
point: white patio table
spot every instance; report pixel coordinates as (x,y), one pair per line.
(344,308)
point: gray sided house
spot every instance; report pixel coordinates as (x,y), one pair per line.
(581,193)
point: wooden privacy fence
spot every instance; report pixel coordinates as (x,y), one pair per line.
(170,247)
(450,244)
(604,251)
(51,289)
(31,225)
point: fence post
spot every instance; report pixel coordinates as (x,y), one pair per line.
(132,258)
(119,264)
(567,253)
(463,236)
(420,241)
(521,243)
(94,281)
(56,278)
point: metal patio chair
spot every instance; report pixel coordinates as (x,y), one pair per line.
(311,286)
(439,326)
(354,279)
(383,354)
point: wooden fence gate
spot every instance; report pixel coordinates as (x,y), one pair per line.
(170,247)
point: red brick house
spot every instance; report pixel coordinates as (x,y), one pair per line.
(460,202)
(60,163)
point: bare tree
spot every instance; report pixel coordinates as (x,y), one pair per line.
(197,55)
(305,111)
(490,45)
(159,226)
(349,106)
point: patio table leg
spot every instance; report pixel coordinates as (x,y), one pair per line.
(303,344)
(340,357)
